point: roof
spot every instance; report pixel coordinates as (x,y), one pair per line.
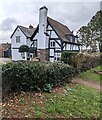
(60,29)
(5,46)
(27,31)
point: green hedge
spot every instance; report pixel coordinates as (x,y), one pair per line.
(85,61)
(68,57)
(30,76)
(81,61)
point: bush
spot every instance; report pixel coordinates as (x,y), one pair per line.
(23,48)
(30,76)
(68,57)
(86,61)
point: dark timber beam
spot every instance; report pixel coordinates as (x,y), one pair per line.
(54,39)
(64,44)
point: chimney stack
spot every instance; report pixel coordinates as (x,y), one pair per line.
(42,50)
(42,27)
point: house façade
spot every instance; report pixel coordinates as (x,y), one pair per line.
(48,40)
(21,36)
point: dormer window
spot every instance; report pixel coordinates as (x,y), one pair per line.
(68,36)
(17,39)
(71,38)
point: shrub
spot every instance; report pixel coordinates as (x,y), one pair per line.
(32,76)
(68,57)
(23,48)
(86,61)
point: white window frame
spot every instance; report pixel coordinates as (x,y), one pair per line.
(52,44)
(18,39)
(57,56)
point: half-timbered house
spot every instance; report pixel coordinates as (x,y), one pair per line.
(51,38)
(46,42)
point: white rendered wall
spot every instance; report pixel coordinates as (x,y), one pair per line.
(28,42)
(51,52)
(49,27)
(17,56)
(36,36)
(51,59)
(15,46)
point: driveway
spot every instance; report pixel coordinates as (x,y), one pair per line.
(5,60)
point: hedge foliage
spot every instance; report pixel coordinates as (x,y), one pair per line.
(68,57)
(81,61)
(85,61)
(30,76)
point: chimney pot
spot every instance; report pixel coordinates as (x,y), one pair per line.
(30,26)
(44,8)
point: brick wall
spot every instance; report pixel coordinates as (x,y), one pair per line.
(43,54)
(1,52)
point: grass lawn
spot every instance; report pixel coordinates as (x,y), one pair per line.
(91,75)
(70,101)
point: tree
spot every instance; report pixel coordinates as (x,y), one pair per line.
(91,34)
(95,26)
(84,34)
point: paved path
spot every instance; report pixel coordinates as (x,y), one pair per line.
(87,83)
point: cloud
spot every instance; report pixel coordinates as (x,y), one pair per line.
(7,24)
(24,12)
(6,29)
(76,14)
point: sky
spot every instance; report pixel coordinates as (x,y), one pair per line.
(72,13)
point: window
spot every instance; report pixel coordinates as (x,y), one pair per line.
(52,44)
(17,39)
(58,54)
(73,39)
(57,57)
(76,39)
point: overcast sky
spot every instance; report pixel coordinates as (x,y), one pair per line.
(73,13)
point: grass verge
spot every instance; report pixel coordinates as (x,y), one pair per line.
(91,75)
